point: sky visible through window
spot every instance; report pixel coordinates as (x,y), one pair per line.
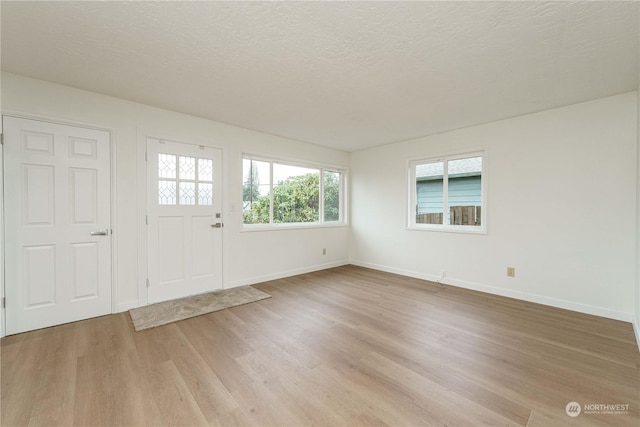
(280,173)
(458,166)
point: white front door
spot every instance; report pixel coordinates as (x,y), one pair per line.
(57,224)
(183,219)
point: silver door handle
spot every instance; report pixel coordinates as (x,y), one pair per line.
(217,225)
(100,233)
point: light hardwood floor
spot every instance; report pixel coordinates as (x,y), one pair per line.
(346,346)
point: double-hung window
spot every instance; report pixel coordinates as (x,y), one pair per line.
(277,193)
(448,193)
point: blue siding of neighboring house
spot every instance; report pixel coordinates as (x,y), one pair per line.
(429,196)
(465,191)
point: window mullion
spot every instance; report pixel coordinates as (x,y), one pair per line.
(340,197)
(271,193)
(251,181)
(445,192)
(413,195)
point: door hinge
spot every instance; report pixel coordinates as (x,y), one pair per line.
(4,302)
(146,219)
(145,156)
(1,138)
(148,284)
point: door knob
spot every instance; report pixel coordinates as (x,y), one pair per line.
(100,233)
(217,225)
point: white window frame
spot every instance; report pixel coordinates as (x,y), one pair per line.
(322,168)
(412,194)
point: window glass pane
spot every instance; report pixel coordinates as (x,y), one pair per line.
(166,165)
(166,192)
(296,194)
(205,170)
(429,193)
(255,191)
(187,193)
(464,194)
(331,196)
(280,193)
(205,194)
(187,168)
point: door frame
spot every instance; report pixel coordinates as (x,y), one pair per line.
(112,198)
(184,138)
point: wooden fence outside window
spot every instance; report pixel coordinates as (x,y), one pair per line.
(459,215)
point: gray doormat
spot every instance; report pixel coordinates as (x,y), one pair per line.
(162,313)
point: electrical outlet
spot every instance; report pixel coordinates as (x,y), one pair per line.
(511,272)
(324,251)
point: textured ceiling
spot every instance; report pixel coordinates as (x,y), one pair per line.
(343,74)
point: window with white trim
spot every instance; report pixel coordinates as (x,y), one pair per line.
(447,193)
(279,193)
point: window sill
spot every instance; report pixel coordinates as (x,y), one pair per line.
(449,229)
(250,228)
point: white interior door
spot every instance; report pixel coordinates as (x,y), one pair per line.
(184,223)
(57,224)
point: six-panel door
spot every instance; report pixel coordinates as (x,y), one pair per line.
(57,224)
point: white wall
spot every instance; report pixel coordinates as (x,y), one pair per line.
(561,209)
(249,257)
(562,200)
(636,323)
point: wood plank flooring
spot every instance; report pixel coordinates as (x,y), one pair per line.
(345,346)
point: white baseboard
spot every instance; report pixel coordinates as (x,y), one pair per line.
(128,305)
(283,274)
(636,329)
(524,296)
